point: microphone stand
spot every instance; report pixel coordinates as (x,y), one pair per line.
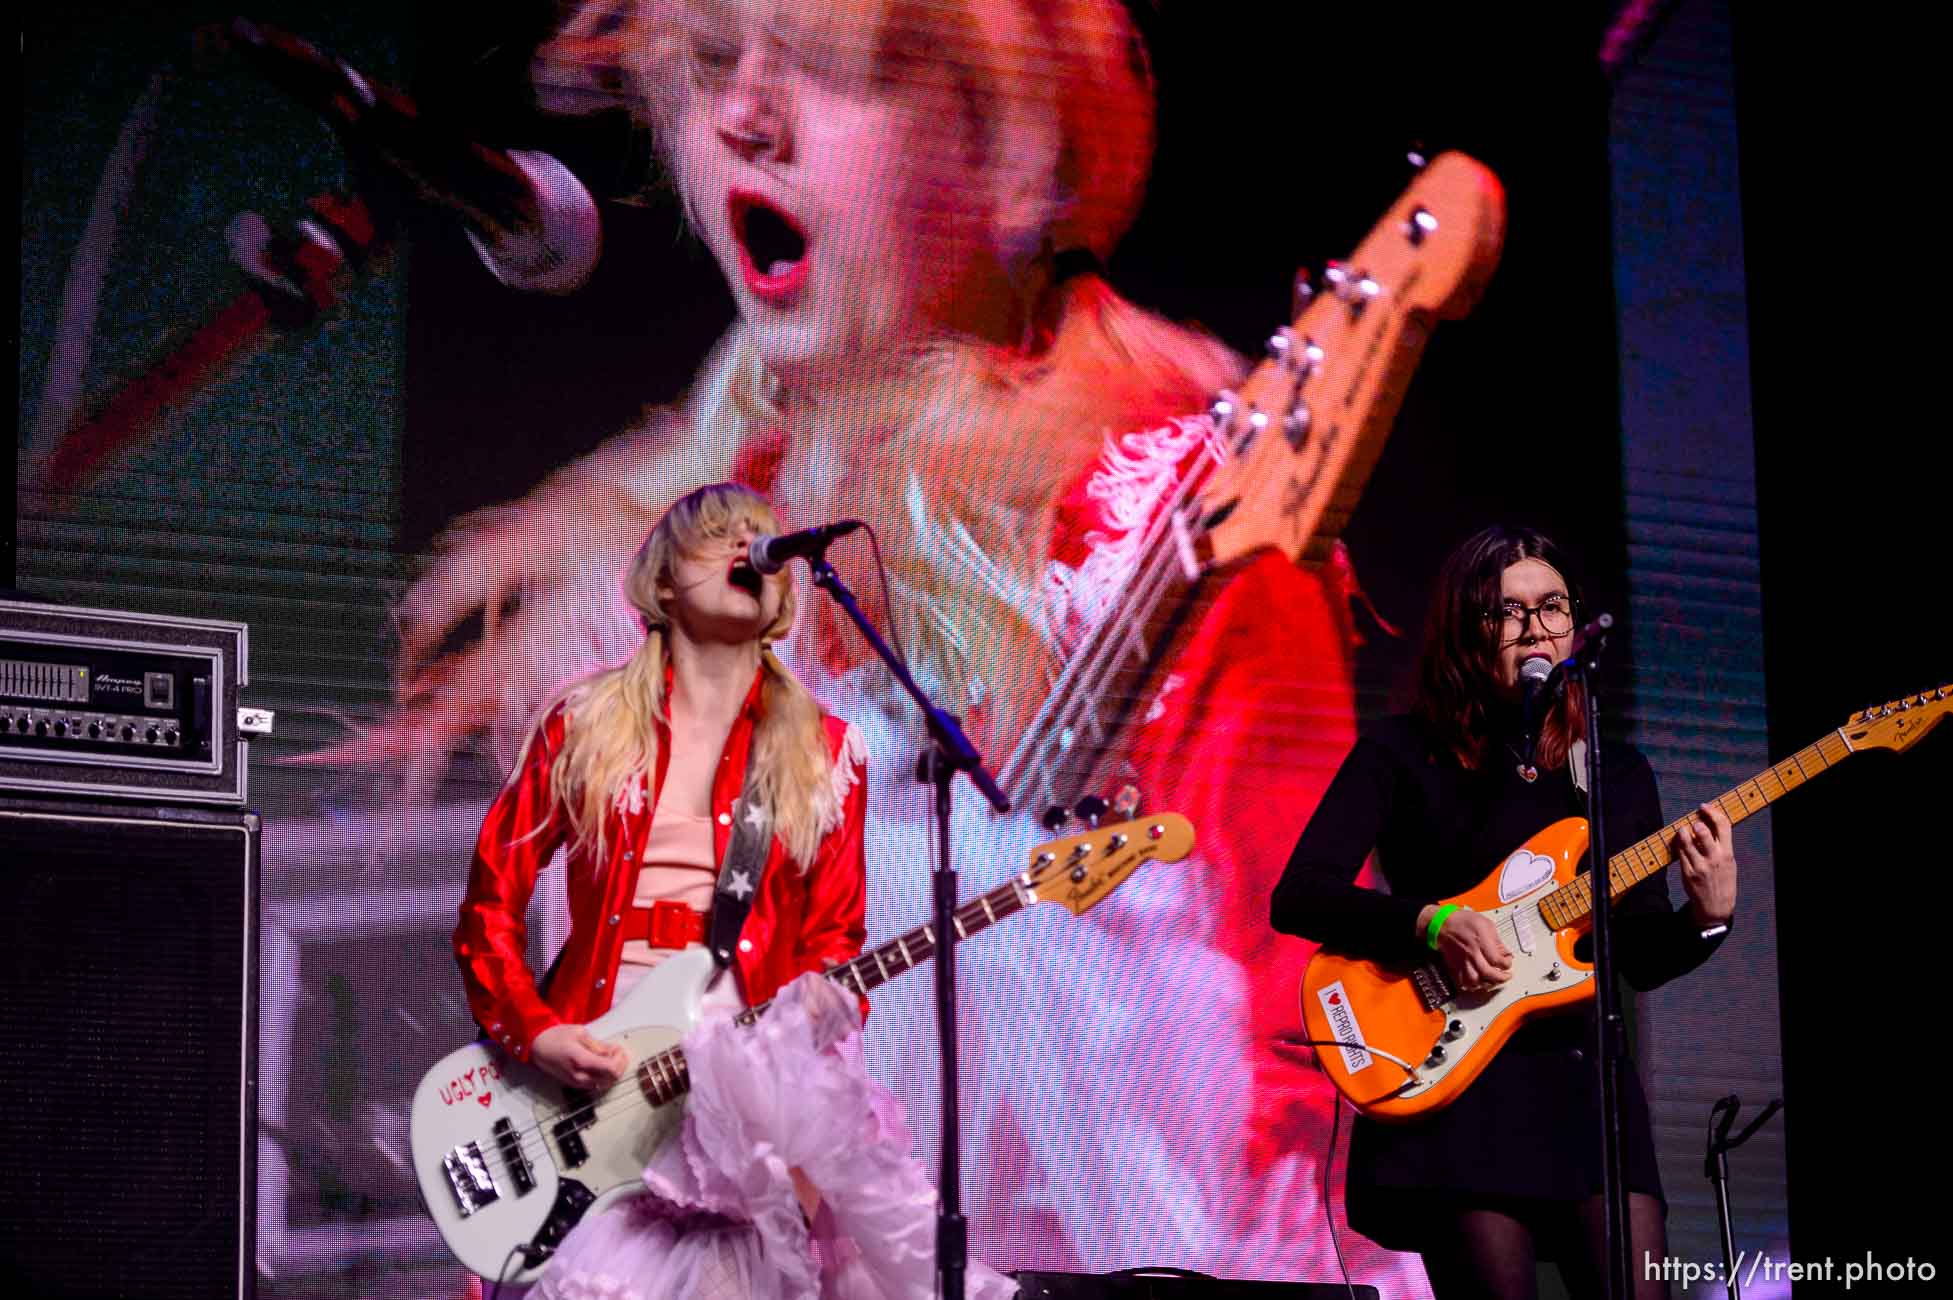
(1611,1031)
(949,752)
(1715,1167)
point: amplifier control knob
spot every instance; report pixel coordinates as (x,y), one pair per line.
(94,731)
(128,733)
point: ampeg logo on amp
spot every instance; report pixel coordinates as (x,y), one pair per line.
(107,703)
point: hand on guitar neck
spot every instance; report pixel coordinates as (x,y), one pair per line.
(1468,942)
(1708,857)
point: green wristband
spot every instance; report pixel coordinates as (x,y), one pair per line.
(1437,923)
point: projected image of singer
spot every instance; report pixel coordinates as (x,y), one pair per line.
(912,206)
(1509,1171)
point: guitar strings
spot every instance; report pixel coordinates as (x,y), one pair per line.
(1152,574)
(629,1089)
(1646,856)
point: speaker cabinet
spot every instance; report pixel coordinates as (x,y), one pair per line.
(128,1051)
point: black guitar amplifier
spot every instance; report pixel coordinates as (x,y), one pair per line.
(107,704)
(1176,1284)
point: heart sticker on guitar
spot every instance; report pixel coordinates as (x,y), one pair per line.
(1522,873)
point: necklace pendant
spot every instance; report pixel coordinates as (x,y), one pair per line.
(1528,773)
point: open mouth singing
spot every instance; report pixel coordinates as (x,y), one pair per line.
(772,249)
(744,576)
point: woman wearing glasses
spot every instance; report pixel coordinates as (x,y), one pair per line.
(1508,1173)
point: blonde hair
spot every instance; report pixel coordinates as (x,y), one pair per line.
(960,459)
(1058,92)
(967,445)
(611,718)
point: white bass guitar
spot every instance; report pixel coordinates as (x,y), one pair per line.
(509,1160)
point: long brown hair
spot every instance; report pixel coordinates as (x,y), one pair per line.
(1456,694)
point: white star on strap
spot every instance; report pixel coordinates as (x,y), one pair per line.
(739,885)
(755,816)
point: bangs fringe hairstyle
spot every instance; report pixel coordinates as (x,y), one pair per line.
(963,449)
(966,445)
(1455,671)
(1057,94)
(611,719)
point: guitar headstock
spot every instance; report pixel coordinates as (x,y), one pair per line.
(1079,870)
(1308,424)
(1896,724)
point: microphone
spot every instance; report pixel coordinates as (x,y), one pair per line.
(533,223)
(1534,676)
(1535,683)
(770,554)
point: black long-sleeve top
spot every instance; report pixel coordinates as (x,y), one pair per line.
(1437,830)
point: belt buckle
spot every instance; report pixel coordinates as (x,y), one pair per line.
(672,924)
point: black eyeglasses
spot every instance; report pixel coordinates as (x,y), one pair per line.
(1555,617)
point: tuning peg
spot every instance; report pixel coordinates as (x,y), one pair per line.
(1296,426)
(1304,293)
(1125,804)
(1089,810)
(1055,817)
(1415,157)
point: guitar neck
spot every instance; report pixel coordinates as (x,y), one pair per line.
(1573,901)
(1107,670)
(666,1077)
(1277,464)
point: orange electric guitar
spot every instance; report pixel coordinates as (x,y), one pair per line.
(1403,1043)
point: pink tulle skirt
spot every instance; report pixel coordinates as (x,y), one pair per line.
(720,1218)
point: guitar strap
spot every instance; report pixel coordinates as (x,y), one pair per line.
(747,849)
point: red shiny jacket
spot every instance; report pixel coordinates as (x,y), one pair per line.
(800,921)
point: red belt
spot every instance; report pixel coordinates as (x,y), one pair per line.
(665,924)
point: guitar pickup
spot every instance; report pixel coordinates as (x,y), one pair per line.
(570,1142)
(469,1178)
(1522,931)
(568,1131)
(521,1172)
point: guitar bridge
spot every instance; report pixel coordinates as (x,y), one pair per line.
(468,1177)
(1433,985)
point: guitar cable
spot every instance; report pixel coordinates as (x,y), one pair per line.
(1329,1209)
(1397,1061)
(508,1262)
(1335,1132)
